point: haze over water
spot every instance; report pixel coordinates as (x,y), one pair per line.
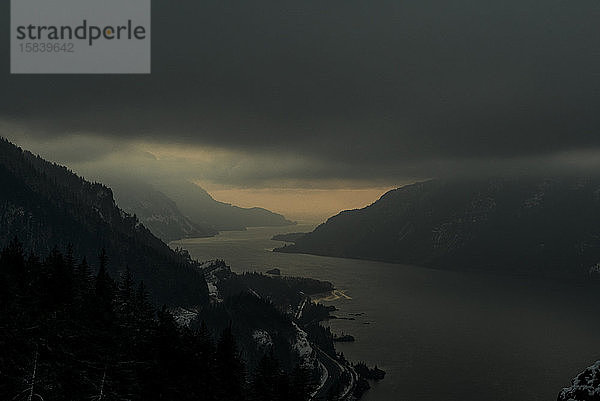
(439,335)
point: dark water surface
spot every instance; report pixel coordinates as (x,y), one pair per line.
(439,335)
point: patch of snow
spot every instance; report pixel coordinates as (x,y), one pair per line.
(213,292)
(210,269)
(303,347)
(262,338)
(182,316)
(586,386)
(594,270)
(205,265)
(301,308)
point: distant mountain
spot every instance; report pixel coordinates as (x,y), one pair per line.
(203,209)
(46,205)
(157,211)
(548,227)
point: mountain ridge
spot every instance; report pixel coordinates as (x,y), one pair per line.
(200,207)
(46,205)
(159,213)
(523,225)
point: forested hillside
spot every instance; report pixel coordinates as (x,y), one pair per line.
(70,334)
(527,225)
(157,211)
(46,205)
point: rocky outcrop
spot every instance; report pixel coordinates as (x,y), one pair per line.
(584,387)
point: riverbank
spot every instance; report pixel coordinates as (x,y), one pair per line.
(456,329)
(298,324)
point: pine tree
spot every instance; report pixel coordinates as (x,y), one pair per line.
(144,311)
(126,298)
(168,358)
(33,266)
(204,350)
(266,382)
(83,281)
(301,385)
(230,369)
(59,279)
(104,289)
(12,263)
(69,258)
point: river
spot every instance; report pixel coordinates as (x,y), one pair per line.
(439,335)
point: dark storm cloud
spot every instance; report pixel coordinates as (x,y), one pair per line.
(363,88)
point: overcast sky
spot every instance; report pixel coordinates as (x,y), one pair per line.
(330,94)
